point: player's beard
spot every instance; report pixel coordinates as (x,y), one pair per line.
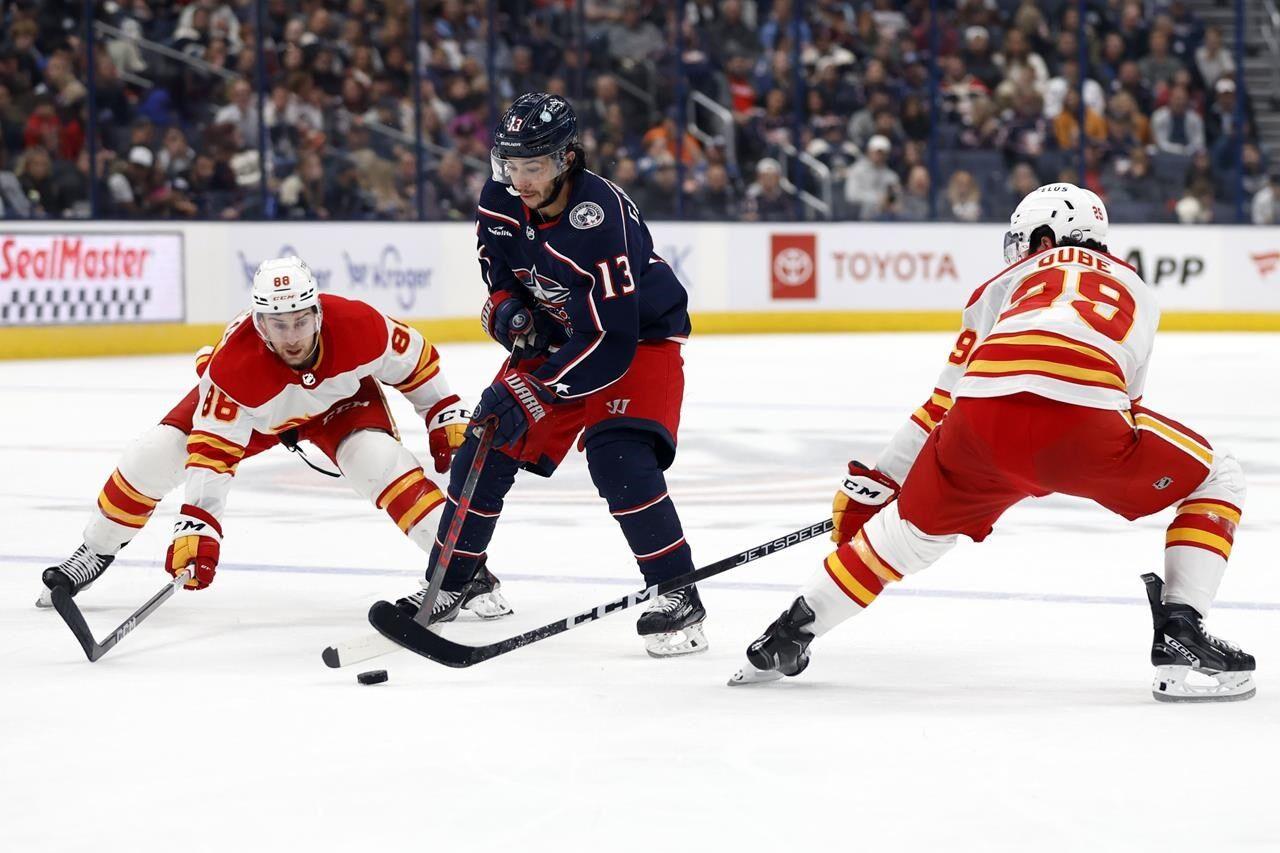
(299,356)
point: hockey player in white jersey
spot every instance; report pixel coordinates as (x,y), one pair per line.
(1041,394)
(303,365)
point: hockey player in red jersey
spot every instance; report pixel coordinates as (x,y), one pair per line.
(1041,394)
(299,365)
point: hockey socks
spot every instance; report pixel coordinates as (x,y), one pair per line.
(624,467)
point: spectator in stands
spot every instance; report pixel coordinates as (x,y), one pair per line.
(1126,127)
(1021,182)
(779,24)
(983,128)
(958,88)
(453,198)
(241,110)
(978,58)
(665,133)
(766,201)
(1107,70)
(47,128)
(912,205)
(1186,31)
(1066,125)
(833,149)
(176,156)
(1265,208)
(717,200)
(302,194)
(633,39)
(731,35)
(61,84)
(1129,178)
(963,199)
(869,181)
(1025,134)
(862,124)
(131,184)
(14,203)
(1133,29)
(1220,118)
(1017,54)
(1159,65)
(660,195)
(35,176)
(1196,205)
(1069,81)
(1130,81)
(1213,60)
(1176,128)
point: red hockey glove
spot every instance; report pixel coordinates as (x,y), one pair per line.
(196,543)
(863,492)
(446,430)
(517,401)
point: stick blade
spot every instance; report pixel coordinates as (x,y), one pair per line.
(357,650)
(71,614)
(407,633)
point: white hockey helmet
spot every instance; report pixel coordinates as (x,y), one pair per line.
(284,284)
(1071,212)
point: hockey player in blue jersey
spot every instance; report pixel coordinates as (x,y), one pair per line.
(594,321)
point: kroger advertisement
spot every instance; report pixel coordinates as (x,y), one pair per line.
(405,270)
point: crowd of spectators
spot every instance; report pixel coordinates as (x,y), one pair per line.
(834,107)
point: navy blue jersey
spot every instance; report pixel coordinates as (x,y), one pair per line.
(592,270)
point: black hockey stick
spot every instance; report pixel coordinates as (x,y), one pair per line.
(485,434)
(403,631)
(369,646)
(70,613)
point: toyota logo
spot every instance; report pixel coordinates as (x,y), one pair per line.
(793,267)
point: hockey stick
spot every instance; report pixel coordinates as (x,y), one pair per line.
(70,613)
(403,631)
(423,616)
(369,646)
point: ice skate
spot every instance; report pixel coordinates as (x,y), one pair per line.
(783,648)
(483,596)
(672,625)
(75,573)
(480,595)
(1191,664)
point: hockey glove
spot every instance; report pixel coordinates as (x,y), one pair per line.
(196,543)
(506,319)
(446,430)
(863,492)
(516,402)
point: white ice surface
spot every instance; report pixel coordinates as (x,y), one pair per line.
(999,701)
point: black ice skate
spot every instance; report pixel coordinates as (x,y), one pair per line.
(75,573)
(672,625)
(1181,646)
(480,595)
(783,648)
(483,596)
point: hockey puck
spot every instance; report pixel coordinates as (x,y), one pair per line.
(373,676)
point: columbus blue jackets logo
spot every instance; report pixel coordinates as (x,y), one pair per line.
(586,215)
(546,290)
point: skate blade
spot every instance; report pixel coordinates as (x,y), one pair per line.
(1171,685)
(490,605)
(687,641)
(45,601)
(750,675)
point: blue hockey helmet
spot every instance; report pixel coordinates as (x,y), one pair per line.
(535,125)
